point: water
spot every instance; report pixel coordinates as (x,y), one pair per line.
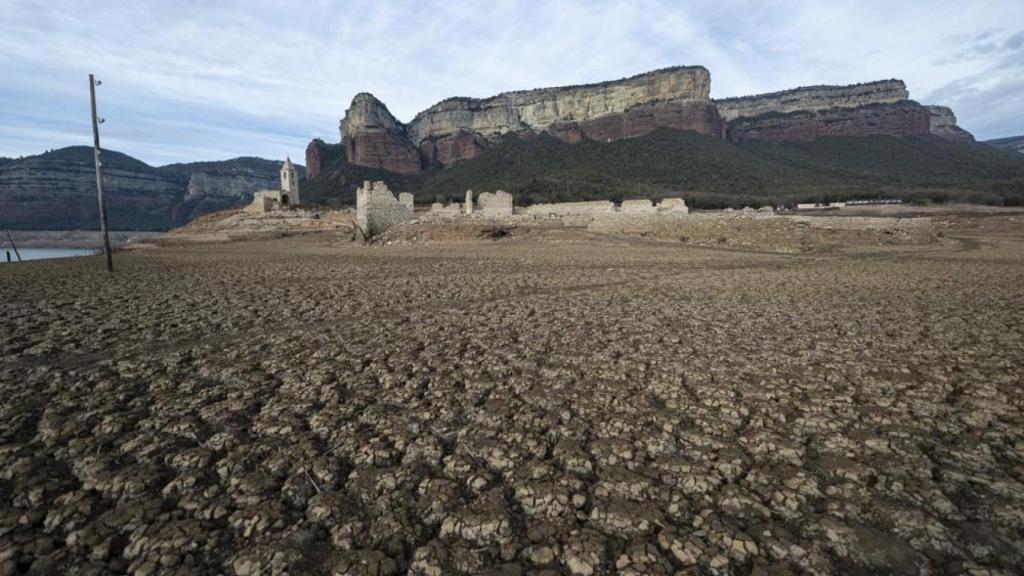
(45,253)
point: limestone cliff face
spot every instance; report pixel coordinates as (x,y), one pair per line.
(813,98)
(943,125)
(460,128)
(538,110)
(802,114)
(374,138)
(896,119)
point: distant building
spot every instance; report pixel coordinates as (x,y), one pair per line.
(288,195)
(289,184)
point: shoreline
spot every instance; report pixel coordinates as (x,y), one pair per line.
(76,238)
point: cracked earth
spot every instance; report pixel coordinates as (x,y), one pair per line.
(304,406)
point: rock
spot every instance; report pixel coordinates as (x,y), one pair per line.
(460,128)
(537,110)
(812,99)
(318,154)
(896,119)
(943,125)
(375,139)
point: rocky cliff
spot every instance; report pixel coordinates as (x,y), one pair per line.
(57,190)
(460,128)
(896,119)
(801,114)
(374,138)
(813,98)
(943,125)
(540,110)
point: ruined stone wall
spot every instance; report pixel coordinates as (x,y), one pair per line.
(377,209)
(642,206)
(571,208)
(453,209)
(497,204)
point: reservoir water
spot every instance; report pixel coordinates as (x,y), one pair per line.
(45,253)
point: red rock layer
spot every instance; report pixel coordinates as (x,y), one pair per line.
(382,150)
(315,156)
(702,118)
(898,119)
(638,121)
(451,149)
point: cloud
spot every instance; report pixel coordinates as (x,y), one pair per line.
(192,80)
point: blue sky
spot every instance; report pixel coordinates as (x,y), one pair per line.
(189,80)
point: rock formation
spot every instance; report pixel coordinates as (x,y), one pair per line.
(460,128)
(803,114)
(897,119)
(316,154)
(813,98)
(555,109)
(374,138)
(943,125)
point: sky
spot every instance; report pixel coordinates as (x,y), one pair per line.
(192,80)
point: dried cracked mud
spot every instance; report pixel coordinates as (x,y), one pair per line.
(300,406)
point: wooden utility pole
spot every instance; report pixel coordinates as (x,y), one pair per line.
(99,174)
(13,245)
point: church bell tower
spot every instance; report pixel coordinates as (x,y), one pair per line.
(289,184)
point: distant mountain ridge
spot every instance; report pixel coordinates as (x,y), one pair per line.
(57,189)
(1013,143)
(677,97)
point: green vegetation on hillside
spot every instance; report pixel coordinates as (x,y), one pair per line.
(708,172)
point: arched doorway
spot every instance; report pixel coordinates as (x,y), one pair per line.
(284,199)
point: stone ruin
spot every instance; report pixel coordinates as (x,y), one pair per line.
(497,204)
(377,209)
(287,196)
(500,205)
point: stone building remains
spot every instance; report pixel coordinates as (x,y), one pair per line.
(286,196)
(377,209)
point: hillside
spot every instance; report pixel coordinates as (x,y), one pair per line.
(57,190)
(708,172)
(1013,143)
